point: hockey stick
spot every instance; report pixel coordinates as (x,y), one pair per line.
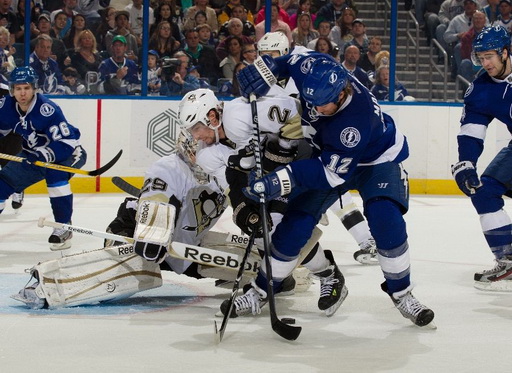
(199,254)
(126,186)
(63,168)
(234,292)
(285,330)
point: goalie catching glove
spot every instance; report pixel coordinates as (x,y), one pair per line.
(153,233)
(258,77)
(272,186)
(465,175)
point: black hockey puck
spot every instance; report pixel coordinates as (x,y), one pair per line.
(288,320)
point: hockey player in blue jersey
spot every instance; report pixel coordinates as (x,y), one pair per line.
(47,137)
(489,97)
(355,146)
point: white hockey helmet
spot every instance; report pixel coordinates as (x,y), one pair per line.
(195,106)
(274,41)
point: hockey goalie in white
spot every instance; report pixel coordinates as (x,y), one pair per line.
(178,203)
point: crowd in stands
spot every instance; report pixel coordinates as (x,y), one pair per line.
(92,47)
(455,23)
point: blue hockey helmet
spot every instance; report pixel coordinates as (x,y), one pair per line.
(22,75)
(324,82)
(490,38)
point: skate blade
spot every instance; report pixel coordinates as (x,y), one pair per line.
(431,325)
(367,259)
(60,246)
(498,286)
(332,310)
(29,303)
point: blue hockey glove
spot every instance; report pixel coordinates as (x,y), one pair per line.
(465,175)
(273,185)
(258,77)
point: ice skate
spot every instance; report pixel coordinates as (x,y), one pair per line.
(497,279)
(287,288)
(367,253)
(251,302)
(410,307)
(60,239)
(17,200)
(332,287)
(29,295)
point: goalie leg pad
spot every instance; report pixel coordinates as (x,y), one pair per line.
(100,275)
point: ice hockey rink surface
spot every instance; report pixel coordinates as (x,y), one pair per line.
(170,329)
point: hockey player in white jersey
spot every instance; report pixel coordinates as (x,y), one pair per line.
(213,124)
(276,44)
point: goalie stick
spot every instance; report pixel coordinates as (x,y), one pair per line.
(285,330)
(226,259)
(234,292)
(63,168)
(126,186)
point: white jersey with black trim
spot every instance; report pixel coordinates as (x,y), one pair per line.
(170,180)
(213,160)
(276,115)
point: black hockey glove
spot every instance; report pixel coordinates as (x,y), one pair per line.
(244,160)
(276,156)
(247,217)
(150,251)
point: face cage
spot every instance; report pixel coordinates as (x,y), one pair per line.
(187,148)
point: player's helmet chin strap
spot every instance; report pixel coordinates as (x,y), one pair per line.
(216,128)
(502,74)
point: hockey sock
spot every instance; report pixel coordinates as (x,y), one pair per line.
(388,228)
(61,200)
(318,262)
(495,222)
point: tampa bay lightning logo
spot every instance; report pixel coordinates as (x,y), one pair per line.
(306,65)
(333,78)
(46,110)
(2,102)
(469,90)
(350,137)
(50,83)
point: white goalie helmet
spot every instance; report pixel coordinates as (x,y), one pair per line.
(274,41)
(187,148)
